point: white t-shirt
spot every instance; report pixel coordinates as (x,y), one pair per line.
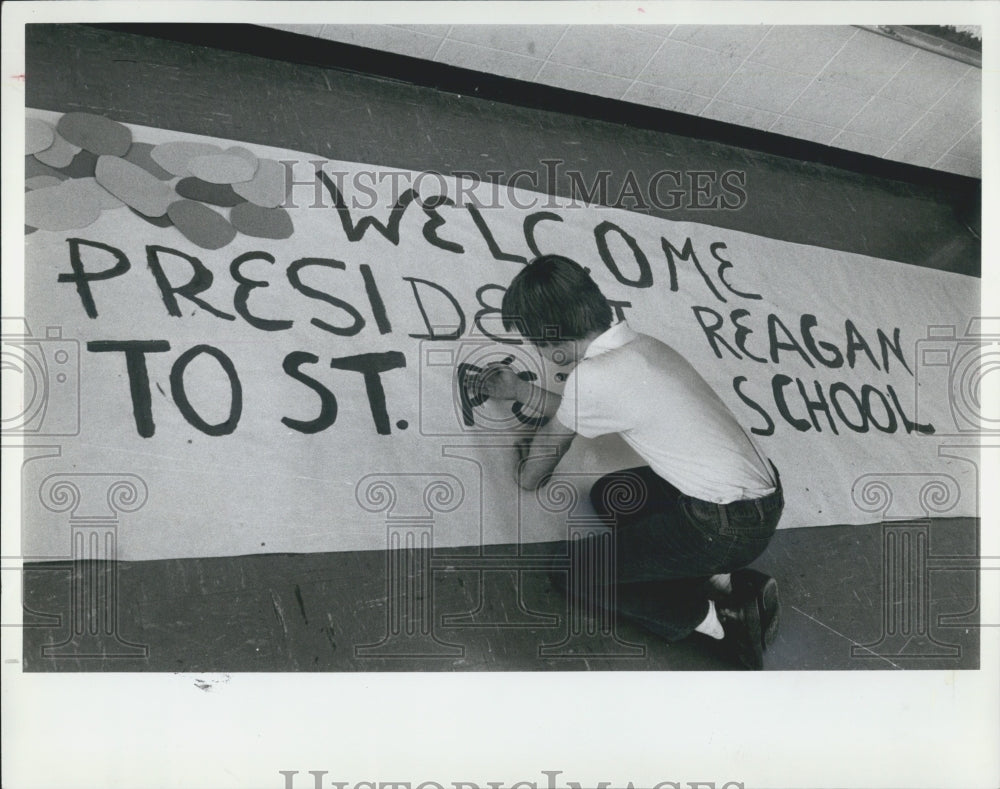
(637,386)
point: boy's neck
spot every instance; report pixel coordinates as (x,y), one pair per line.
(586,340)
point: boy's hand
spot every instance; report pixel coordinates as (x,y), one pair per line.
(500,381)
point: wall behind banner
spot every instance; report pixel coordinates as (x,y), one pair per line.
(776,327)
(348,116)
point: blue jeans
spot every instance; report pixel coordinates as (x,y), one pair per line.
(668,544)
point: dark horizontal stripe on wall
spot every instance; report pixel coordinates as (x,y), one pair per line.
(283,45)
(336,113)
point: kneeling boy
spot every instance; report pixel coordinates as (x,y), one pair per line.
(709,501)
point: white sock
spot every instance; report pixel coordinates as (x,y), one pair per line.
(723,582)
(711,626)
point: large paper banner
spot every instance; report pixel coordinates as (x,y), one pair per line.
(269,347)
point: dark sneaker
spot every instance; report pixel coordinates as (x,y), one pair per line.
(741,623)
(764,589)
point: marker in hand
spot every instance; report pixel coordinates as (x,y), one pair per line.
(496,380)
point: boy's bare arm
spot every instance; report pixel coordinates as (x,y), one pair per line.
(539,400)
(539,455)
(500,381)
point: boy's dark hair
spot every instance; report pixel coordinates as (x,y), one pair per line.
(553,299)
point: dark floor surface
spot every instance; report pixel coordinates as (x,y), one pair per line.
(336,612)
(310,612)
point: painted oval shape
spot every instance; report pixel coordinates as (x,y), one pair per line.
(200,224)
(59,154)
(84,165)
(89,189)
(223,168)
(217,194)
(174,157)
(261,222)
(41,182)
(38,135)
(33,167)
(267,187)
(59,208)
(134,186)
(95,133)
(140,154)
(245,153)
